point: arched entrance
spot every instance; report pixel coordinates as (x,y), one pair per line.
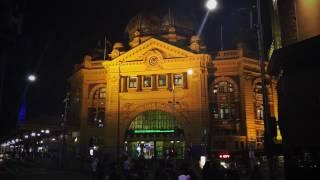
(155,134)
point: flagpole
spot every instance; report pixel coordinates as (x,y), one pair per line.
(105,48)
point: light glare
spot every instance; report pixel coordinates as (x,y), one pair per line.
(211,4)
(32,78)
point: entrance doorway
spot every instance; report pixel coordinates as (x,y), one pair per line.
(155,134)
(155,149)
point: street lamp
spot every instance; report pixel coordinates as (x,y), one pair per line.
(267,136)
(31,78)
(211,5)
(118,120)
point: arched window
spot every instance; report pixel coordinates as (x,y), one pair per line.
(223,100)
(155,120)
(96,111)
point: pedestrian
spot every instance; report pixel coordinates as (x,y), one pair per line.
(127,165)
(101,168)
(233,173)
(185,172)
(94,166)
(256,172)
(206,171)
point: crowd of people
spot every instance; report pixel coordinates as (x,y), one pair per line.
(162,169)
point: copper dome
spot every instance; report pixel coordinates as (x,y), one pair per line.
(159,22)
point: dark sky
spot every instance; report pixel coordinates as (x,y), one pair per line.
(56,34)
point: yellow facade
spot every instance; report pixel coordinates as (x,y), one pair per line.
(216,96)
(191,112)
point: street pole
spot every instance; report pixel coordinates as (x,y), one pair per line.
(63,148)
(118,120)
(173,101)
(267,137)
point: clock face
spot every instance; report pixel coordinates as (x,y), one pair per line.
(153,60)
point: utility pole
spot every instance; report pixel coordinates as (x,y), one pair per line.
(267,135)
(174,102)
(118,120)
(63,125)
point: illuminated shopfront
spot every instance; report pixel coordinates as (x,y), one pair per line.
(155,134)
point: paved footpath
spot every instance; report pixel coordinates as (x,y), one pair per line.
(22,172)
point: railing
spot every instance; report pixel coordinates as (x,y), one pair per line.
(231,54)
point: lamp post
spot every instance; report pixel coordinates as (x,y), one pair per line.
(211,5)
(31,78)
(267,135)
(63,126)
(118,120)
(174,102)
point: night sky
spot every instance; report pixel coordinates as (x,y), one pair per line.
(56,34)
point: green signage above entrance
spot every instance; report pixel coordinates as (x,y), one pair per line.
(144,131)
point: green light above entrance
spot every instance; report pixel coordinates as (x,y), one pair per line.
(145,131)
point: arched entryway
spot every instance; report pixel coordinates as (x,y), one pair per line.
(155,134)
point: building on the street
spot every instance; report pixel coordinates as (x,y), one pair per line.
(161,92)
(294,64)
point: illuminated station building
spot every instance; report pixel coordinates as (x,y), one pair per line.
(162,91)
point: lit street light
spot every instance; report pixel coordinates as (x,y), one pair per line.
(32,78)
(211,5)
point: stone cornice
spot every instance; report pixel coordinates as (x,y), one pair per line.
(136,55)
(150,44)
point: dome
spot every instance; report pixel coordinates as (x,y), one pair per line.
(159,22)
(183,22)
(145,23)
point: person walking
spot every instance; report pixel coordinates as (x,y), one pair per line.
(94,166)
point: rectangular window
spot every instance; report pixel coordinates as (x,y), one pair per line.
(146,81)
(162,80)
(259,111)
(133,81)
(178,79)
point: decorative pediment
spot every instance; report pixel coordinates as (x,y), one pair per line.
(154,49)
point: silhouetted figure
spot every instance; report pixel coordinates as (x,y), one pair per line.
(165,171)
(114,174)
(94,166)
(256,173)
(212,170)
(185,172)
(233,173)
(101,168)
(206,171)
